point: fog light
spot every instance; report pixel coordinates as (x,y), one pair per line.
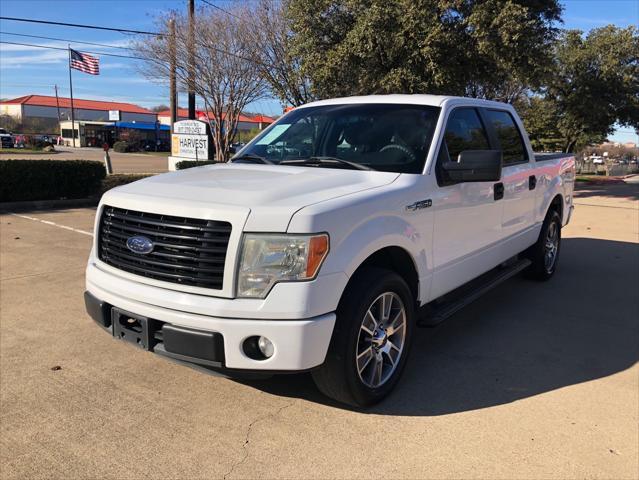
(265,346)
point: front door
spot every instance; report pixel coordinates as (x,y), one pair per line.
(467,217)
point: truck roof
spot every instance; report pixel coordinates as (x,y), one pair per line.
(415,99)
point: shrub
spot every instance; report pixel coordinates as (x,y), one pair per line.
(49,179)
(35,144)
(184,164)
(121,146)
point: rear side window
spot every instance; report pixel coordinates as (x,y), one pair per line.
(464,131)
(509,137)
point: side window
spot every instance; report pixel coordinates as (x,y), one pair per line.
(464,131)
(509,137)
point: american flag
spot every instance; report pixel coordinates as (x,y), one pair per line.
(85,63)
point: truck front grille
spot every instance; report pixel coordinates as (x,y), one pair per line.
(186,251)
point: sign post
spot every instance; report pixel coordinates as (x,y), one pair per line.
(191,140)
(107,159)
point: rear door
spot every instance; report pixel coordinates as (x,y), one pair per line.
(467,216)
(518,179)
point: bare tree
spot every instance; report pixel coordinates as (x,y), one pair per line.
(227,79)
(271,50)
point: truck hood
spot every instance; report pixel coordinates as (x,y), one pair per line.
(268,194)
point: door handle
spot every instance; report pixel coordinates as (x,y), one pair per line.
(498,188)
(532,182)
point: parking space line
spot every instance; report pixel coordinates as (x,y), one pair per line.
(53,224)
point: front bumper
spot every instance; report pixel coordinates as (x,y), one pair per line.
(298,344)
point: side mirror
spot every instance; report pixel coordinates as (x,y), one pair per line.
(475,166)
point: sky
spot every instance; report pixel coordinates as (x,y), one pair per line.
(31,70)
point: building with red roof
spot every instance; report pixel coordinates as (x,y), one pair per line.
(246,122)
(98,122)
(50,109)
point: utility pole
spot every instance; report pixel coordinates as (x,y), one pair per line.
(191,54)
(172,82)
(57,103)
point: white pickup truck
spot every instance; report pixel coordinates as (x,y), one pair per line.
(328,238)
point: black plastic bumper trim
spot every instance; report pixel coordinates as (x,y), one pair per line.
(98,310)
(160,350)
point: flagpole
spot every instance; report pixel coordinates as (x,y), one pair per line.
(71,91)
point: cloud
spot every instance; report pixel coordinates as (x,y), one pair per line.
(36,59)
(112,65)
(18,56)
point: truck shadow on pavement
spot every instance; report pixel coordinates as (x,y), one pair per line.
(522,339)
(628,191)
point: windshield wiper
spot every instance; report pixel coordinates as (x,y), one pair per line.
(324,160)
(252,159)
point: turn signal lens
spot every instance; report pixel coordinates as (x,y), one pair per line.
(318,249)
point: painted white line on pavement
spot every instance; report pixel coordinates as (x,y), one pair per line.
(53,224)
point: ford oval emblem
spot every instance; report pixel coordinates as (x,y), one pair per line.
(139,244)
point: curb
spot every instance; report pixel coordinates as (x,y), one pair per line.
(6,207)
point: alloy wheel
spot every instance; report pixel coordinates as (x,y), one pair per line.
(381,340)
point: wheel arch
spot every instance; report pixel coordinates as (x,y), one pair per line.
(557,204)
(396,259)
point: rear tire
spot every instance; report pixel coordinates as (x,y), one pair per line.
(544,254)
(371,339)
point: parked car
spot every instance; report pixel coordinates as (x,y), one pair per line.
(155,146)
(6,139)
(329,238)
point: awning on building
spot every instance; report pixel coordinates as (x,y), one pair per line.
(141,125)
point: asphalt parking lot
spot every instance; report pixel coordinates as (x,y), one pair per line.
(534,380)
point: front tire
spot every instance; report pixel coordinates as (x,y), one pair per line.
(544,254)
(371,339)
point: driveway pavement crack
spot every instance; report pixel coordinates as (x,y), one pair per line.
(247,437)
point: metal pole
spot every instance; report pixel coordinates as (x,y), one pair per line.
(71,92)
(191,59)
(172,81)
(107,162)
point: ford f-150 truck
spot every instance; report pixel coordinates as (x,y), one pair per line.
(327,239)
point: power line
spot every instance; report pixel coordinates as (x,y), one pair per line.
(121,30)
(80,25)
(65,50)
(220,9)
(64,40)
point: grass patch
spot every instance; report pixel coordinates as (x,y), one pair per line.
(156,154)
(26,151)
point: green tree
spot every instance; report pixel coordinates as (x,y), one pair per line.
(488,48)
(543,121)
(9,123)
(271,50)
(594,84)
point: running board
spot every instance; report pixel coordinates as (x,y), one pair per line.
(439,310)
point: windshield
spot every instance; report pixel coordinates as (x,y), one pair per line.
(385,137)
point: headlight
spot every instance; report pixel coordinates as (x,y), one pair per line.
(268,259)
